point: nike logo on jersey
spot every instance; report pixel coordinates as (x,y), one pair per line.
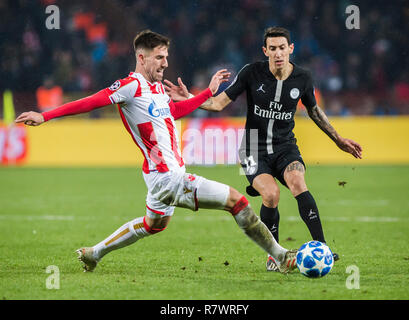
(261,88)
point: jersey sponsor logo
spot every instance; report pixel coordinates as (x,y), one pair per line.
(294,93)
(261,88)
(115,85)
(272,114)
(156,112)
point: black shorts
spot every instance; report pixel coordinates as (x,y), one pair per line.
(273,164)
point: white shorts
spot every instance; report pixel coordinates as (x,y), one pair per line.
(172,189)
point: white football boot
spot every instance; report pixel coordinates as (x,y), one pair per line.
(86,257)
(289,263)
(271,264)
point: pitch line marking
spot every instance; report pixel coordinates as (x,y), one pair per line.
(324,218)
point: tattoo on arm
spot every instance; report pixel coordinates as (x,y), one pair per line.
(207,105)
(296,165)
(321,120)
(217,103)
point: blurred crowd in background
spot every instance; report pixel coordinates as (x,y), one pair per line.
(356,72)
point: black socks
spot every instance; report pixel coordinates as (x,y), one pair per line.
(309,213)
(271,218)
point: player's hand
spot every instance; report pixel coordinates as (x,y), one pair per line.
(176,93)
(351,147)
(30,118)
(218,78)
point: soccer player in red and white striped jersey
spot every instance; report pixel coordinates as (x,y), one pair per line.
(149,116)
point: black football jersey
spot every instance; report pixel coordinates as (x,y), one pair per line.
(271,104)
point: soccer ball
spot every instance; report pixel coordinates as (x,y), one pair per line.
(314,259)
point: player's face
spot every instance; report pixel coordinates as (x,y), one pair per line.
(278,52)
(155,63)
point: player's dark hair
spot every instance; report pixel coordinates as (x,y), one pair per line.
(273,32)
(149,40)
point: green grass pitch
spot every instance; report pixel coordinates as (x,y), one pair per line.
(45,214)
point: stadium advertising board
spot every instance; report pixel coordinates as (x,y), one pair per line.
(13,144)
(204,141)
(212,141)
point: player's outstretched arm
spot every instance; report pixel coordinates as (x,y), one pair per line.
(182,108)
(217,103)
(218,78)
(30,118)
(180,92)
(321,120)
(97,100)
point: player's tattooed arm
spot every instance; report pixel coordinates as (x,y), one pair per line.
(217,103)
(321,120)
(180,92)
(208,105)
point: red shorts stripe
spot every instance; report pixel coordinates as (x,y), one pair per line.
(156,211)
(196,200)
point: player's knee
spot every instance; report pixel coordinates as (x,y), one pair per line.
(296,184)
(271,197)
(156,225)
(213,195)
(239,205)
(233,198)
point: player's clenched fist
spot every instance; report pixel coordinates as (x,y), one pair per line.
(30,118)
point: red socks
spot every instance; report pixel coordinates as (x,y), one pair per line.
(240,205)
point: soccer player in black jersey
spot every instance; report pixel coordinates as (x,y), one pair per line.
(269,150)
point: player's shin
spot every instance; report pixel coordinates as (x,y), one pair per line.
(126,235)
(215,195)
(256,230)
(310,215)
(271,218)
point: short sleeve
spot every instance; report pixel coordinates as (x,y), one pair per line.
(308,98)
(123,90)
(239,84)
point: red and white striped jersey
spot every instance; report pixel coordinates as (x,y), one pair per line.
(145,112)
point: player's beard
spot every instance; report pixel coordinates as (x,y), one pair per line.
(155,75)
(159,74)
